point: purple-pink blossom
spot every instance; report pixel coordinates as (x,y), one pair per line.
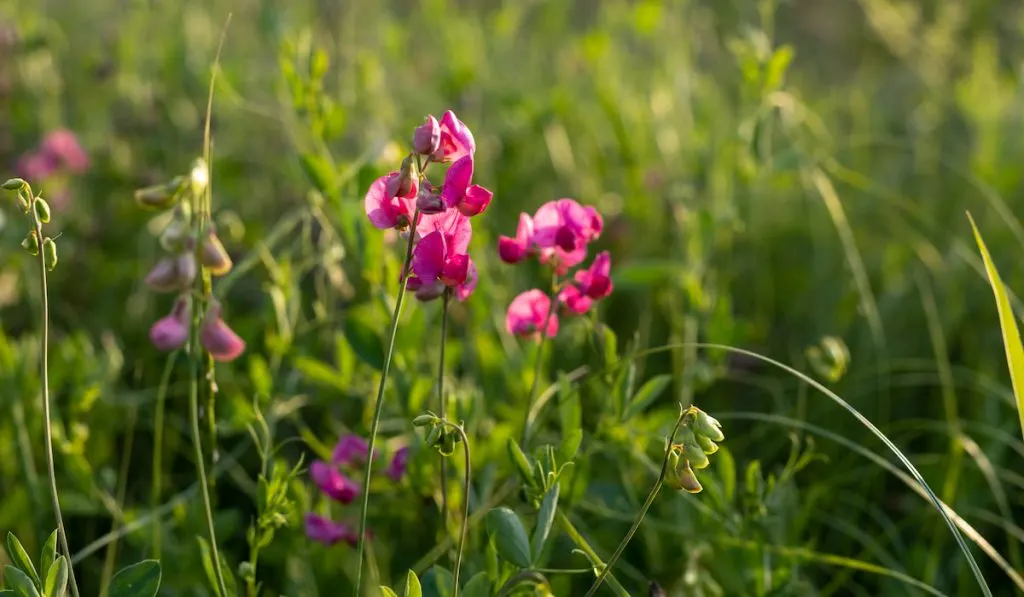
(63,147)
(350,449)
(427,137)
(388,211)
(458,192)
(329,532)
(456,139)
(223,344)
(171,332)
(514,250)
(399,462)
(528,313)
(333,483)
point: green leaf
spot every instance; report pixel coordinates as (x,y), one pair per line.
(319,172)
(19,557)
(545,518)
(20,582)
(319,372)
(229,578)
(137,580)
(522,463)
(605,343)
(56,578)
(1007,324)
(387,592)
(438,582)
(49,552)
(364,340)
(648,393)
(509,536)
(412,586)
(570,444)
(478,586)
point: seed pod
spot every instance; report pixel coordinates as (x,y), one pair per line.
(424,420)
(434,436)
(42,209)
(31,243)
(447,447)
(50,253)
(15,184)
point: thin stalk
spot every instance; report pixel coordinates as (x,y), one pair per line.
(465,505)
(643,509)
(158,449)
(535,384)
(44,368)
(444,407)
(393,333)
(122,486)
(581,542)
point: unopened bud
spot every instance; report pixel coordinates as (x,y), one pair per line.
(707,425)
(160,196)
(214,256)
(434,436)
(31,243)
(447,447)
(693,452)
(427,137)
(15,184)
(50,253)
(423,420)
(706,445)
(42,209)
(680,476)
(405,183)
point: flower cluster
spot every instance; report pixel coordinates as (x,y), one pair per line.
(558,235)
(700,432)
(176,271)
(58,153)
(437,217)
(332,480)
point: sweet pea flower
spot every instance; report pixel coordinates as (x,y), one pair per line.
(596,281)
(458,193)
(36,166)
(333,483)
(440,257)
(350,449)
(399,461)
(464,290)
(566,225)
(528,313)
(574,301)
(456,139)
(514,250)
(62,145)
(328,532)
(171,332)
(387,210)
(217,338)
(427,137)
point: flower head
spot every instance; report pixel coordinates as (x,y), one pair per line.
(62,145)
(565,224)
(399,461)
(36,166)
(441,254)
(595,282)
(514,250)
(458,193)
(328,532)
(350,449)
(171,332)
(456,139)
(333,483)
(387,210)
(217,338)
(528,313)
(574,301)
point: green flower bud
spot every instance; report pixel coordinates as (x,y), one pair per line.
(31,243)
(692,451)
(424,420)
(679,475)
(42,209)
(707,425)
(447,447)
(50,253)
(708,446)
(14,184)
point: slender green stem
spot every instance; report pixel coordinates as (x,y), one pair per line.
(643,509)
(158,448)
(581,542)
(535,384)
(465,504)
(393,333)
(443,407)
(122,486)
(44,368)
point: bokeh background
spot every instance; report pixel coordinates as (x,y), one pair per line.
(771,172)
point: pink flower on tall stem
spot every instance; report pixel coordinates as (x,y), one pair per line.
(514,250)
(528,313)
(440,258)
(456,139)
(458,193)
(565,224)
(385,210)
(350,449)
(329,532)
(171,332)
(333,483)
(223,344)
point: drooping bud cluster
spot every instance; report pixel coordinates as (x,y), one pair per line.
(334,480)
(185,256)
(699,433)
(38,210)
(558,235)
(440,436)
(437,217)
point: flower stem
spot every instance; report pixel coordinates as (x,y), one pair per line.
(380,400)
(643,509)
(158,448)
(535,384)
(581,543)
(465,504)
(444,407)
(45,376)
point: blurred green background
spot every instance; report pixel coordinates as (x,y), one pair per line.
(771,173)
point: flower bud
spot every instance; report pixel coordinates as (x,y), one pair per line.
(171,332)
(680,476)
(214,256)
(405,184)
(49,253)
(15,184)
(427,137)
(173,273)
(424,420)
(447,447)
(707,425)
(223,344)
(31,243)
(159,196)
(693,452)
(42,209)
(429,202)
(706,445)
(434,436)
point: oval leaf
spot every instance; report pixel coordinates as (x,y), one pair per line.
(137,580)
(387,592)
(478,586)
(20,582)
(438,582)
(49,552)
(545,518)
(509,536)
(56,578)
(647,394)
(19,557)
(364,340)
(412,586)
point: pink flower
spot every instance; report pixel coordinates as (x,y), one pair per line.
(398,464)
(574,300)
(596,281)
(462,291)
(427,137)
(514,250)
(36,166)
(171,332)
(456,139)
(328,532)
(350,449)
(333,483)
(566,225)
(218,339)
(62,145)
(457,191)
(173,273)
(440,257)
(455,227)
(427,201)
(528,313)
(388,211)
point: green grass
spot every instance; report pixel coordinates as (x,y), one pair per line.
(771,173)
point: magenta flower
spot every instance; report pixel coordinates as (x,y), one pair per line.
(440,258)
(514,250)
(218,339)
(350,449)
(596,281)
(427,137)
(328,532)
(462,291)
(528,313)
(388,211)
(399,461)
(566,225)
(456,139)
(171,332)
(427,201)
(575,301)
(333,483)
(173,273)
(457,192)
(62,145)
(36,166)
